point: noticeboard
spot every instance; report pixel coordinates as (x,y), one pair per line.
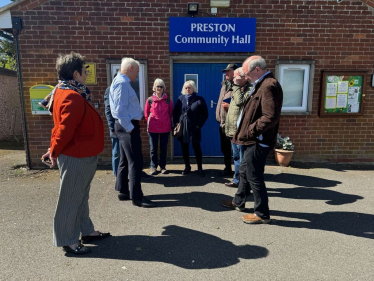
(91,73)
(37,94)
(342,93)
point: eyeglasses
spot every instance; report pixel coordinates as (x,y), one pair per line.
(160,87)
(250,71)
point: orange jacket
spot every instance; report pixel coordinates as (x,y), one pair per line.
(78,128)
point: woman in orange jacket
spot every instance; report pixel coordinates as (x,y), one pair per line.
(77,139)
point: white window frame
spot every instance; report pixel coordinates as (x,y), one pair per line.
(114,66)
(308,67)
(197,79)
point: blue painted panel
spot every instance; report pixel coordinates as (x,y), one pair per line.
(212,34)
(210,76)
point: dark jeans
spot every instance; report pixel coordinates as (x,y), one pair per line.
(251,172)
(153,142)
(115,155)
(226,149)
(198,154)
(131,161)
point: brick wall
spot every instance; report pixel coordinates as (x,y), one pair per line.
(10,107)
(335,36)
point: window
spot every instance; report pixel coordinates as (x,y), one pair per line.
(193,77)
(139,86)
(296,78)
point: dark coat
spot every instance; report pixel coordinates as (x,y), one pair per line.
(261,114)
(196,116)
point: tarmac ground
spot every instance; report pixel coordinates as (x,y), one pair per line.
(322,226)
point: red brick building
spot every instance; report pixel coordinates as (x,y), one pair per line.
(314,36)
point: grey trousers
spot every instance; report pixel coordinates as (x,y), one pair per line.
(72,212)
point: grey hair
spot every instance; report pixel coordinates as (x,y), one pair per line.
(257,61)
(240,71)
(192,84)
(126,62)
(158,82)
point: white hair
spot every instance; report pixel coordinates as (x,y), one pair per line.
(192,84)
(257,61)
(158,82)
(240,71)
(126,62)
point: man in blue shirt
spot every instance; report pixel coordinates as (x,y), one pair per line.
(125,108)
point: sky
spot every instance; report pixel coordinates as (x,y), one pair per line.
(4,2)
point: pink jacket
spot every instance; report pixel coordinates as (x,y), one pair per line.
(159,114)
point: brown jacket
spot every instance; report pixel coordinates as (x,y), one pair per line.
(261,114)
(220,112)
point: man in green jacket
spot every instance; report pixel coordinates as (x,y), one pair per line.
(240,89)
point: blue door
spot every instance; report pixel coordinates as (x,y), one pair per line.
(208,78)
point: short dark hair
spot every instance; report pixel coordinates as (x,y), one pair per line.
(67,64)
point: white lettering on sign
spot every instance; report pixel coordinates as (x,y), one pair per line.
(246,39)
(202,40)
(212,27)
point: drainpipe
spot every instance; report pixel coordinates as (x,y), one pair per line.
(17,26)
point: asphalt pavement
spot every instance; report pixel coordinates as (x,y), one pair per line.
(322,226)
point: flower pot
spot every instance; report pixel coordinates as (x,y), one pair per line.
(283,157)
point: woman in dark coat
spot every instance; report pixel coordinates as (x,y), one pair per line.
(192,110)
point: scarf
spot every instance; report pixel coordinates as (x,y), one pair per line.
(69,85)
(189,99)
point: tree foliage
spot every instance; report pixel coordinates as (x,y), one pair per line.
(7,54)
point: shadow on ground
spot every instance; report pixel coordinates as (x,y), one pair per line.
(182,247)
(348,223)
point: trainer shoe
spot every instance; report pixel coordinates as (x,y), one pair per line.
(152,171)
(254,219)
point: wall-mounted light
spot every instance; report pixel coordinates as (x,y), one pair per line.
(193,8)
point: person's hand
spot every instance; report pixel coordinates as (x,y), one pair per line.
(225,106)
(48,156)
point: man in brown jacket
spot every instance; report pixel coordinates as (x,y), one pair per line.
(257,131)
(221,112)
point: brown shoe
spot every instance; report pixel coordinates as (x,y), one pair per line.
(254,219)
(230,205)
(231,184)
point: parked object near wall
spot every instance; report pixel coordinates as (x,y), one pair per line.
(283,151)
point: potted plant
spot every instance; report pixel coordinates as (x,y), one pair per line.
(283,151)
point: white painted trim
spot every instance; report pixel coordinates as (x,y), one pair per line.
(5,20)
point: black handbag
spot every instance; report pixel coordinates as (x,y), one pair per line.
(178,130)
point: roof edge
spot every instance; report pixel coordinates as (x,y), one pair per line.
(11,5)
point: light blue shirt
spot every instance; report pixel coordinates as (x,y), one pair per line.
(250,94)
(124,103)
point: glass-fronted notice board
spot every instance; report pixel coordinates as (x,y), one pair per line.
(342,93)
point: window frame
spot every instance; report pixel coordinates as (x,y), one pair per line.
(197,79)
(308,66)
(114,64)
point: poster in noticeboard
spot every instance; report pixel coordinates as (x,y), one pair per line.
(342,93)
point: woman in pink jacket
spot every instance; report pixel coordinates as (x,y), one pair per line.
(158,113)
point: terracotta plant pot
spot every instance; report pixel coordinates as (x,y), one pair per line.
(283,157)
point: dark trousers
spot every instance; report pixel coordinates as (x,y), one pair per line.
(198,154)
(251,172)
(225,148)
(153,142)
(131,161)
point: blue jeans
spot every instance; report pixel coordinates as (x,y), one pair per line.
(115,155)
(237,155)
(153,142)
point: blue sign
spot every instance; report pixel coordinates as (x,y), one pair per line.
(212,34)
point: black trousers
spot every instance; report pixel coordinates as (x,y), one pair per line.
(251,172)
(225,148)
(198,154)
(131,161)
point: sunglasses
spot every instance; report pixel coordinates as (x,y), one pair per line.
(160,87)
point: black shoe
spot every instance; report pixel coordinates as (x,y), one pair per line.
(79,250)
(88,238)
(201,173)
(123,197)
(225,173)
(231,184)
(145,203)
(186,170)
(146,176)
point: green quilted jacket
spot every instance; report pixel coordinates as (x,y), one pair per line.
(237,101)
